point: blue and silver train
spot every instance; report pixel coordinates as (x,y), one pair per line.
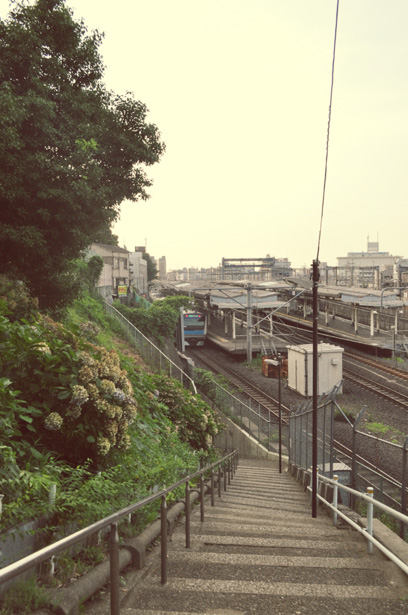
(195,327)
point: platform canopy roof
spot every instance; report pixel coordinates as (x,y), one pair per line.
(237,298)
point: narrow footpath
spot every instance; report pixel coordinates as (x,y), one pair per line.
(259,551)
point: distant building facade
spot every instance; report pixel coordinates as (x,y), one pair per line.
(138,271)
(115,273)
(162,272)
(370,269)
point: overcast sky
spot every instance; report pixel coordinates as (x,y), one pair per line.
(240,92)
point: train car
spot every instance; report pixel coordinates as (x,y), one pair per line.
(195,327)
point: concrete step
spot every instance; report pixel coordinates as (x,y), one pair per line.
(259,552)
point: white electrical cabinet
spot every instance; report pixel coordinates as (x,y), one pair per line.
(300,368)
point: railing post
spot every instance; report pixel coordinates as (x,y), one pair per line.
(187,514)
(370,506)
(163,540)
(201,497)
(225,475)
(114,568)
(212,487)
(229,470)
(219,481)
(335,498)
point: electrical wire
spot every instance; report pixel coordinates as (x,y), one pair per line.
(328,131)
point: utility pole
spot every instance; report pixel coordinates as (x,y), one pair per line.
(249,323)
(315,277)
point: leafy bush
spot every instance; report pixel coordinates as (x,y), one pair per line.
(160,321)
(193,418)
(16,300)
(77,401)
(69,407)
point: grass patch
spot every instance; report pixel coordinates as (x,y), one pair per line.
(23,598)
(377,428)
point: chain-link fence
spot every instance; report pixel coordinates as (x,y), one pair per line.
(356,460)
(253,419)
(152,355)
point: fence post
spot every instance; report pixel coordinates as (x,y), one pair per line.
(163,553)
(354,455)
(259,422)
(52,494)
(307,441)
(335,498)
(229,470)
(187,514)
(114,568)
(370,506)
(404,486)
(212,487)
(225,475)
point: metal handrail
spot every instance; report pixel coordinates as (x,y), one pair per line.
(229,464)
(367,532)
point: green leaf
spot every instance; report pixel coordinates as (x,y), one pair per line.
(26,418)
(90,439)
(64,394)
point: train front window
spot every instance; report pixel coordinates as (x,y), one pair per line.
(194,321)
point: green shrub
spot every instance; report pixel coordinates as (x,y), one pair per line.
(76,400)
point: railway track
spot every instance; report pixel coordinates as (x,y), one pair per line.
(268,403)
(378,368)
(383,391)
(365,469)
(386,369)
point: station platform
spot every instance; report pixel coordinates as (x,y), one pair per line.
(340,330)
(337,331)
(217,334)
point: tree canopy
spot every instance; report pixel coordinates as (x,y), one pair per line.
(151,267)
(70,150)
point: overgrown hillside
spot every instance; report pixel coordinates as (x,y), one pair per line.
(77,411)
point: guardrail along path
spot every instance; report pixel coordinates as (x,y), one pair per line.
(260,552)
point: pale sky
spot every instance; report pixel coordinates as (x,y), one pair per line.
(240,92)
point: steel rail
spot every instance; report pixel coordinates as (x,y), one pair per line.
(267,402)
(379,389)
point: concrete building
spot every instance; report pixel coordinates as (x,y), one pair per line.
(162,274)
(138,271)
(372,268)
(115,273)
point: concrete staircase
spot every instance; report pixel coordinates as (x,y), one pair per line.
(260,552)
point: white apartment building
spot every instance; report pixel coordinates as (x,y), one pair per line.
(138,272)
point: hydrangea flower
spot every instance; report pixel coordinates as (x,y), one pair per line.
(43,348)
(86,374)
(118,396)
(79,395)
(103,446)
(107,387)
(53,421)
(89,328)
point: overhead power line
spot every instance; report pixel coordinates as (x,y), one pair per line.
(328,130)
